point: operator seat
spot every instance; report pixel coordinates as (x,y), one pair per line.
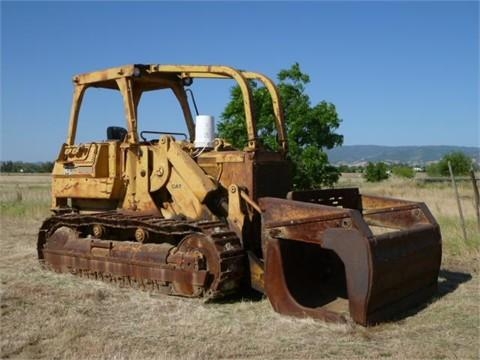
(116,133)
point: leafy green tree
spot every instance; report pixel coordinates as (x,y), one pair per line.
(26,167)
(404,171)
(6,166)
(45,167)
(310,129)
(433,170)
(350,169)
(461,164)
(375,172)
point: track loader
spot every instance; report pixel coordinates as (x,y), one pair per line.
(195,217)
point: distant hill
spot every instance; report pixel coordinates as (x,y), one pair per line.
(414,155)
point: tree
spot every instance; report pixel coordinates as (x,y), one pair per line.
(27,167)
(375,172)
(403,171)
(461,164)
(6,166)
(310,129)
(433,170)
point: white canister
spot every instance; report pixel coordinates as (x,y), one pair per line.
(204,131)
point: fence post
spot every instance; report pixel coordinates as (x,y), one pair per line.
(18,193)
(454,185)
(476,196)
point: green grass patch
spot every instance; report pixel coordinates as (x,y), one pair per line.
(454,244)
(35,209)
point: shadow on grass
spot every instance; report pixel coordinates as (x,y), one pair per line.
(448,281)
(246,294)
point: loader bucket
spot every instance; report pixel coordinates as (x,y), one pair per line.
(336,254)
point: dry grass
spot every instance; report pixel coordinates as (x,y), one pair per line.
(440,199)
(52,316)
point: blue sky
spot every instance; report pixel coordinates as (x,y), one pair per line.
(399,73)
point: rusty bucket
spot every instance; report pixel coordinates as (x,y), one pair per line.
(336,254)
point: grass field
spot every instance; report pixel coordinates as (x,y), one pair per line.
(52,316)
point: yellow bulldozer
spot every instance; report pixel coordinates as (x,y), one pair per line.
(196,217)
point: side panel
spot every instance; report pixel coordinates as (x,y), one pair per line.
(88,171)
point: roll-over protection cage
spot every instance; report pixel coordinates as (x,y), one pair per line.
(133,80)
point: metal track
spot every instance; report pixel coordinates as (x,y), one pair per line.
(176,257)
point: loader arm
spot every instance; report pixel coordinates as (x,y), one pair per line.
(174,170)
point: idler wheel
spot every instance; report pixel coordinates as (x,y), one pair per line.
(197,252)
